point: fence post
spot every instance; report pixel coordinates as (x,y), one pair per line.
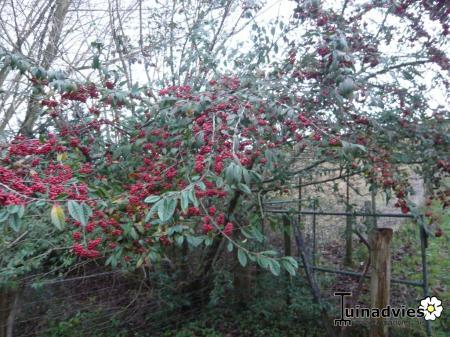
(299,216)
(428,191)
(348,260)
(314,242)
(423,248)
(287,237)
(380,276)
(287,230)
(380,240)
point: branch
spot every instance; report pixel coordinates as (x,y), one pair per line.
(344,7)
(315,291)
(21,236)
(307,168)
(401,65)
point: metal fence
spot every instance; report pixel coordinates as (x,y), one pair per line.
(294,208)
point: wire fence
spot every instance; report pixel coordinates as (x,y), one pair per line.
(319,234)
(120,305)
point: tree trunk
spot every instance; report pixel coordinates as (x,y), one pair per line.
(12,314)
(4,308)
(50,53)
(9,302)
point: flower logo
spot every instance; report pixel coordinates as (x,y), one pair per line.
(431,307)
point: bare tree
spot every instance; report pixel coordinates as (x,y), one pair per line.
(176,42)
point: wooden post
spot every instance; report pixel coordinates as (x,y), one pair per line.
(380,276)
(380,240)
(348,260)
(287,236)
(300,196)
(314,237)
(373,195)
(287,230)
(428,189)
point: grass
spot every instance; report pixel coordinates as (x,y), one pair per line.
(438,263)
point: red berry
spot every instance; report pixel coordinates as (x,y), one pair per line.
(109,84)
(228,229)
(76,236)
(207,228)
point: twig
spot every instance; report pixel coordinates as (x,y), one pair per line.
(12,244)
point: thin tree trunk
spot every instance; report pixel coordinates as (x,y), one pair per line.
(33,110)
(7,311)
(12,314)
(4,306)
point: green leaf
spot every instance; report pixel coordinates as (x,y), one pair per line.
(194,241)
(152,199)
(263,261)
(87,210)
(166,209)
(112,260)
(140,262)
(350,147)
(244,188)
(230,246)
(193,198)
(229,176)
(57,216)
(201,185)
(184,200)
(154,209)
(12,209)
(256,176)
(80,212)
(21,211)
(269,253)
(237,173)
(242,257)
(208,241)
(257,234)
(4,215)
(153,256)
(175,229)
(291,260)
(288,266)
(14,223)
(133,233)
(219,182)
(247,177)
(179,240)
(274,267)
